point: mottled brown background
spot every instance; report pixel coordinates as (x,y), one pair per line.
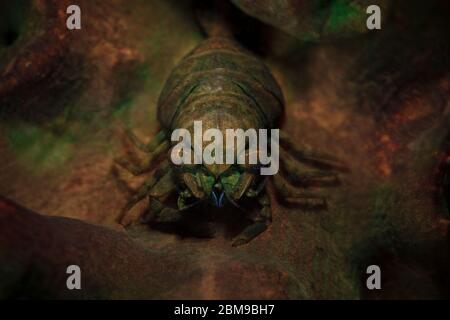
(378,100)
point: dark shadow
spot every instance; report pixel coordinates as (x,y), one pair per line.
(442,179)
(12,20)
(207,221)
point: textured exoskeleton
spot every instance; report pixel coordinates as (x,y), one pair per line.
(226,87)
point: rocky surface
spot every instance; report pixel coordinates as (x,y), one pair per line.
(379,101)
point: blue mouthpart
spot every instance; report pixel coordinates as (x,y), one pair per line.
(218,199)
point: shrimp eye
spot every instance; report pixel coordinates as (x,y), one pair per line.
(230,180)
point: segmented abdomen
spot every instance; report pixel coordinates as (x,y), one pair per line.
(220,76)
